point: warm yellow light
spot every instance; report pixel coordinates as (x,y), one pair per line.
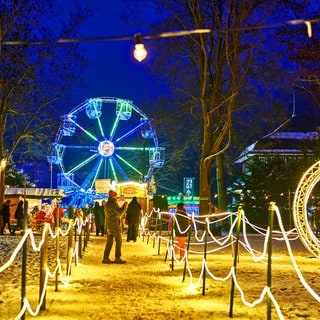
(139,53)
(3,163)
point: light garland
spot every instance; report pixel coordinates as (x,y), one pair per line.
(140,52)
(221,243)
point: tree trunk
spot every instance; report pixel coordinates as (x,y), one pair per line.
(205,187)
(221,186)
(2,185)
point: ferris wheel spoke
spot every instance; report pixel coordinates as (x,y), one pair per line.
(100,127)
(130,132)
(89,134)
(133,148)
(119,168)
(82,164)
(115,126)
(128,164)
(113,169)
(91,177)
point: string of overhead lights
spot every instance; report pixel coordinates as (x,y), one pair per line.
(140,53)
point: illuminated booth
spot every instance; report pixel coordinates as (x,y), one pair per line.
(190,203)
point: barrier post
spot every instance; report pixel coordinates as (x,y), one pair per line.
(171,241)
(76,244)
(43,268)
(70,247)
(24,254)
(155,230)
(85,238)
(235,259)
(186,255)
(79,230)
(57,223)
(269,273)
(205,259)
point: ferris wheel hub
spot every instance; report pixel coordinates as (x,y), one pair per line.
(106,148)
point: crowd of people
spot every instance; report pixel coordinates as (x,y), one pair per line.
(113,218)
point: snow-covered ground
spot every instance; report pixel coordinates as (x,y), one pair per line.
(147,288)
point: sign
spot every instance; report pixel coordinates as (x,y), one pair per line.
(102,186)
(132,189)
(188,186)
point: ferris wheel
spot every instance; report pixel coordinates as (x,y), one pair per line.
(103,138)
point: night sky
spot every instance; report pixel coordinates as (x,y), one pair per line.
(113,71)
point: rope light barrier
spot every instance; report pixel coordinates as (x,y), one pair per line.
(202,239)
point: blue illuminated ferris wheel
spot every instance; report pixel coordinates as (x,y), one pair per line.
(103,138)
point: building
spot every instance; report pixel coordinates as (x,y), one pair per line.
(297,137)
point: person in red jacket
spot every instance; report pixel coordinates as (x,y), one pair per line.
(181,224)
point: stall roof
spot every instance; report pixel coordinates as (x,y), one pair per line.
(38,193)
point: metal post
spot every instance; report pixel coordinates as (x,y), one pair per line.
(70,246)
(57,219)
(269,273)
(43,269)
(24,253)
(205,259)
(235,260)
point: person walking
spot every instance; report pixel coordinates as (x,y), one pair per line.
(6,216)
(181,224)
(113,214)
(98,212)
(133,218)
(18,215)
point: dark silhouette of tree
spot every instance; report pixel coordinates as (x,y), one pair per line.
(34,79)
(222,81)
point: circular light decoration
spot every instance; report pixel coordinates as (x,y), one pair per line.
(106,148)
(101,140)
(300,209)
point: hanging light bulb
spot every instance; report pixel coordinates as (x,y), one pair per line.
(139,52)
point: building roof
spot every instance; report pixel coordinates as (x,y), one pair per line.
(295,136)
(37,193)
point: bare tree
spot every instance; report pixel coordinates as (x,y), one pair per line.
(33,77)
(216,76)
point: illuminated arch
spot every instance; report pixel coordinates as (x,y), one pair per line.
(300,212)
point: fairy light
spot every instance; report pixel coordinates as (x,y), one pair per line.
(139,52)
(301,21)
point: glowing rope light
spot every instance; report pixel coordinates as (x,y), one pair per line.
(266,290)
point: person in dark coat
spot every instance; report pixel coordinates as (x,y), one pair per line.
(113,214)
(19,215)
(98,212)
(5,211)
(133,218)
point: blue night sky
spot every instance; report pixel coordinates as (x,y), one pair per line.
(113,71)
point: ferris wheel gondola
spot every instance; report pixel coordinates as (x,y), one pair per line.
(103,138)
